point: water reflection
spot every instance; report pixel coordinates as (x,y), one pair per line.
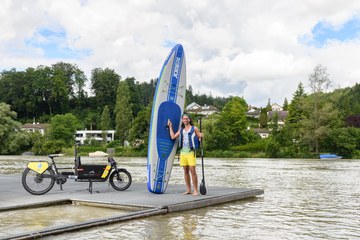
(29,220)
(304,199)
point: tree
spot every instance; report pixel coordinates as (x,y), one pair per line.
(263,119)
(105,123)
(15,90)
(296,109)
(141,127)
(104,83)
(123,112)
(268,106)
(63,129)
(135,101)
(345,140)
(218,136)
(319,112)
(353,121)
(285,105)
(274,123)
(233,116)
(12,139)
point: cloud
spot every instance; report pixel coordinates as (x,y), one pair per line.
(256,49)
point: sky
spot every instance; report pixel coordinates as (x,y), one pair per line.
(254,49)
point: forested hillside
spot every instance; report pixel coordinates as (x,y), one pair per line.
(318,121)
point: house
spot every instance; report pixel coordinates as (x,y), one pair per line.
(193,106)
(263,132)
(281,117)
(203,110)
(276,107)
(35,127)
(253,112)
(82,135)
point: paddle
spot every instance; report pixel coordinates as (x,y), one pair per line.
(202,184)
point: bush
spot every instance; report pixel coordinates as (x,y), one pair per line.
(272,150)
(92,142)
(258,146)
(356,154)
(113,144)
(53,146)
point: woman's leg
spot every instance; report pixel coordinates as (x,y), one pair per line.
(187,179)
(194,179)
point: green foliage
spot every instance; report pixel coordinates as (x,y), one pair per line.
(233,120)
(53,146)
(296,112)
(272,149)
(268,106)
(105,123)
(285,105)
(104,84)
(37,141)
(215,137)
(63,129)
(12,139)
(113,144)
(123,111)
(141,127)
(91,142)
(263,119)
(346,141)
(319,113)
(316,122)
(258,146)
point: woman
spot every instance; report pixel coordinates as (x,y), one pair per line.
(189,137)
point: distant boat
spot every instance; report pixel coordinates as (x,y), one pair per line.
(330,156)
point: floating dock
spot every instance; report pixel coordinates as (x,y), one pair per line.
(137,198)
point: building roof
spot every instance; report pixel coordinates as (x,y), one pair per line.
(192,106)
(261,130)
(206,108)
(276,106)
(281,114)
(253,112)
(35,126)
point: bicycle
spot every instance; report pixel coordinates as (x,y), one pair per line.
(39,177)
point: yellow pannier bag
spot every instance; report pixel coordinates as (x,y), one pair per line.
(38,167)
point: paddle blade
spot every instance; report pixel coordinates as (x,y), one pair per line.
(202,187)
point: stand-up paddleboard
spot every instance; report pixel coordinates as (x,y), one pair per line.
(169,100)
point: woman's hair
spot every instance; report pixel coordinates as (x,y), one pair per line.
(190,122)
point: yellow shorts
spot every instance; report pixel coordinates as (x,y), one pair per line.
(187,159)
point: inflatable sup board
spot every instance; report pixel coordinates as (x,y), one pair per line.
(169,100)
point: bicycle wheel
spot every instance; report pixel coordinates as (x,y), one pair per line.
(36,183)
(120,180)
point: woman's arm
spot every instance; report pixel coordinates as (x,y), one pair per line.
(172,134)
(198,133)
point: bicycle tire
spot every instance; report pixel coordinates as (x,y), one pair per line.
(34,183)
(120,180)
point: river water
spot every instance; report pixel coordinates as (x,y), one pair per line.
(304,199)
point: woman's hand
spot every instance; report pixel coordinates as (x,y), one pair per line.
(201,136)
(169,123)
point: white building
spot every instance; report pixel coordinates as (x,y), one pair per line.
(35,127)
(83,135)
(205,110)
(263,132)
(276,107)
(193,106)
